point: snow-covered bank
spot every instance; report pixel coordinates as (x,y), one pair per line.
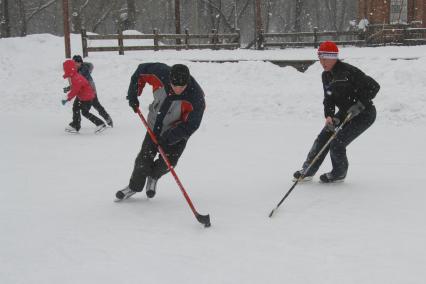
(30,74)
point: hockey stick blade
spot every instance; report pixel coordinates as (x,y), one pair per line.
(203,219)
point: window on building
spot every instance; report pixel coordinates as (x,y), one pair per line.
(398,11)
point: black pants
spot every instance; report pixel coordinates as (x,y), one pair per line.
(145,165)
(101,110)
(83,107)
(337,146)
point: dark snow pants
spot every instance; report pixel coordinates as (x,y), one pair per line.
(338,145)
(101,110)
(83,107)
(145,165)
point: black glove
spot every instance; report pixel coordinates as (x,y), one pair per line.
(332,126)
(134,104)
(67,89)
(356,109)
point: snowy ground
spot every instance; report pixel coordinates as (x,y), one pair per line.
(59,224)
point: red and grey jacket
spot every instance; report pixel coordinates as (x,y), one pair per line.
(173,117)
(80,87)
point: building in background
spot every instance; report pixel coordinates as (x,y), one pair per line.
(411,12)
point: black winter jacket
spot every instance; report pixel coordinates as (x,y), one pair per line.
(345,85)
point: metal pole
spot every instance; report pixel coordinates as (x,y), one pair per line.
(66,29)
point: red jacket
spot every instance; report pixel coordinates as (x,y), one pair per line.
(80,87)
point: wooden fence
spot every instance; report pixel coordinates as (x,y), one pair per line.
(303,39)
(396,34)
(214,40)
(373,36)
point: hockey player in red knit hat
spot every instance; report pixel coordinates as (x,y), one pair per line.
(351,91)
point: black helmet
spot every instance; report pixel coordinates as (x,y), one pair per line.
(179,75)
(77,58)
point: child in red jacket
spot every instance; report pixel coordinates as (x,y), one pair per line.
(81,89)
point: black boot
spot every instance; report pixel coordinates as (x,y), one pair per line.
(151,186)
(124,193)
(330,177)
(109,122)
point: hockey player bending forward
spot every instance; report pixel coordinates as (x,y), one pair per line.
(351,91)
(174,115)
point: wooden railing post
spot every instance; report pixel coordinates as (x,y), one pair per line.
(316,37)
(155,32)
(120,42)
(404,35)
(186,38)
(238,37)
(216,37)
(260,40)
(84,42)
(213,38)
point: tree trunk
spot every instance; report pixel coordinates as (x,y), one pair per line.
(268,15)
(195,14)
(332,7)
(5,20)
(177,20)
(298,15)
(318,15)
(131,14)
(343,16)
(76,17)
(218,20)
(22,18)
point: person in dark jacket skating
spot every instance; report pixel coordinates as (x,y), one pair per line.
(351,91)
(85,69)
(174,115)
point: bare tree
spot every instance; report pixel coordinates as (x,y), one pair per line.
(332,9)
(298,15)
(221,13)
(131,14)
(104,15)
(5,20)
(27,13)
(22,18)
(199,15)
(77,16)
(269,14)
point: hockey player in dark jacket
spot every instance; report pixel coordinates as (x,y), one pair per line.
(174,115)
(85,69)
(351,91)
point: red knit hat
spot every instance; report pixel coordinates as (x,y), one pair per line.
(328,50)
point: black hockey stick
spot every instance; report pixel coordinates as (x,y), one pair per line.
(348,117)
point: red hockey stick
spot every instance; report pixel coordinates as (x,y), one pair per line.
(203,219)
